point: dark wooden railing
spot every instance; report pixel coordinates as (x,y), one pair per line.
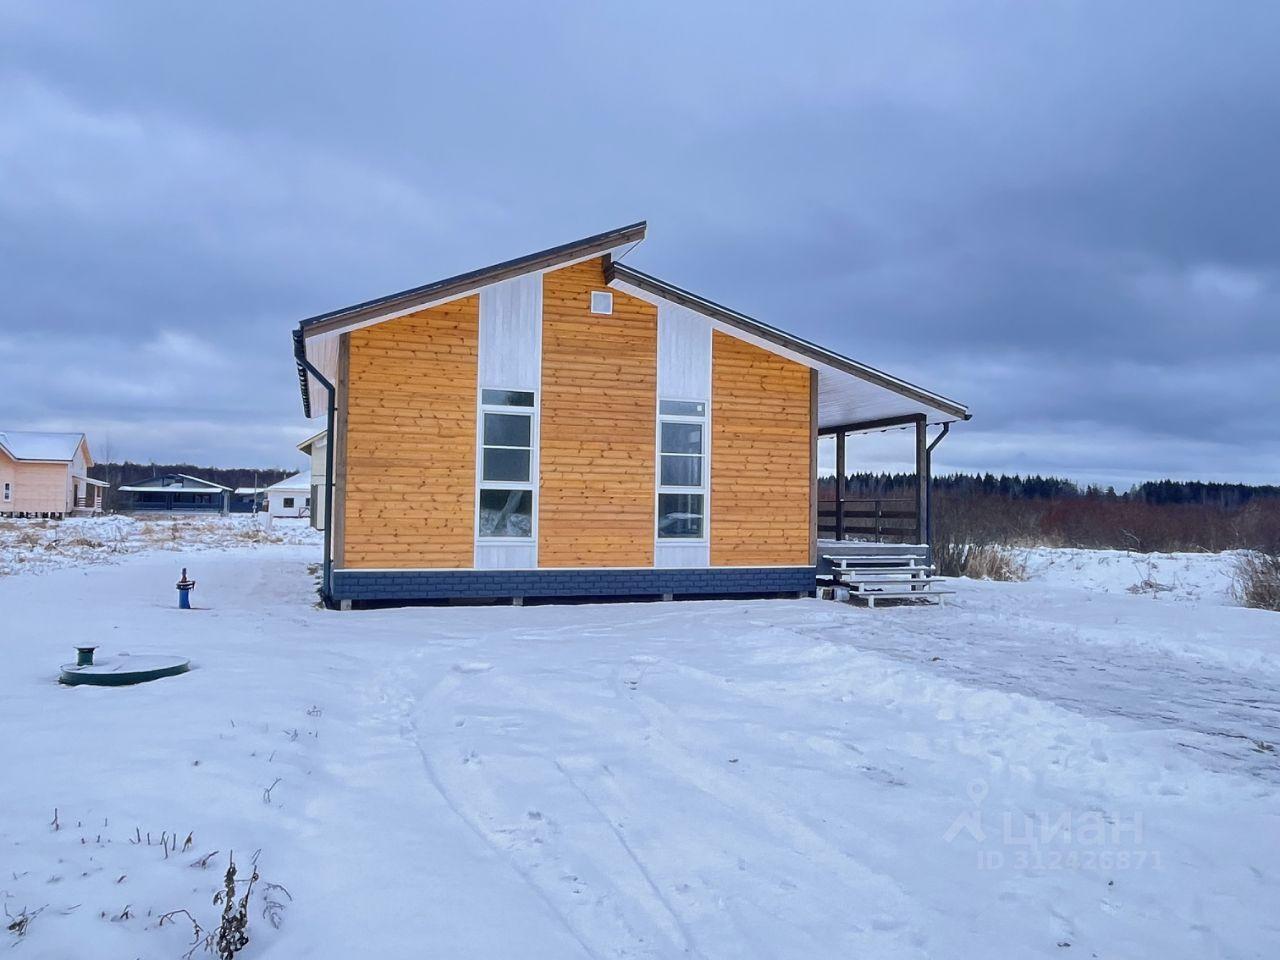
(892,519)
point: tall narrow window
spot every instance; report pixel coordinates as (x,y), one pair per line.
(682,469)
(8,492)
(506,469)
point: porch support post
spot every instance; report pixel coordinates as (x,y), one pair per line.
(928,465)
(813,468)
(840,480)
(922,481)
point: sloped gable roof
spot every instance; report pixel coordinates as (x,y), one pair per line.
(618,273)
(33,445)
(299,481)
(418,298)
(306,445)
(850,393)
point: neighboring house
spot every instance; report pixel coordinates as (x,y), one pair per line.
(46,475)
(317,447)
(291,497)
(175,493)
(248,499)
(563,425)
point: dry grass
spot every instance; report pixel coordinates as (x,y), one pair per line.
(993,562)
(27,545)
(985,561)
(1257,580)
(258,535)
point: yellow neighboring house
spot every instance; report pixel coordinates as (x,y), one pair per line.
(46,475)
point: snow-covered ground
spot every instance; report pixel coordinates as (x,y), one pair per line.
(1176,576)
(1037,769)
(32,546)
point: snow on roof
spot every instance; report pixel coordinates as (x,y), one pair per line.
(245,491)
(299,481)
(175,481)
(305,445)
(30,445)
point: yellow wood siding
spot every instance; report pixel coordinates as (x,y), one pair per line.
(409,485)
(35,487)
(599,382)
(760,456)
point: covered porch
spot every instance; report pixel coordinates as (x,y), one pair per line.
(87,495)
(847,514)
(894,520)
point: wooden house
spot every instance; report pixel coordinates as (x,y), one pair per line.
(564,425)
(46,475)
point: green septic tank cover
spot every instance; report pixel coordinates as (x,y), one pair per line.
(123,669)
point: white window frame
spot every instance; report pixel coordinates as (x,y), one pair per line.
(605,301)
(8,492)
(704,488)
(533,413)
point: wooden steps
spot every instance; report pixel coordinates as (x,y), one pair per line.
(902,573)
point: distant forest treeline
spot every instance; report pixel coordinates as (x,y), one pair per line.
(123,474)
(1226,496)
(1155,516)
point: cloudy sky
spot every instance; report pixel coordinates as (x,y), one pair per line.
(1066,215)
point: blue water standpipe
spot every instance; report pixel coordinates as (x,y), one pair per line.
(185,587)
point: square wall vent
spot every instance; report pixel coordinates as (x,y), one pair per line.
(601,301)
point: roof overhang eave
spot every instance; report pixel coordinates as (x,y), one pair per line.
(821,357)
(465,283)
(451,288)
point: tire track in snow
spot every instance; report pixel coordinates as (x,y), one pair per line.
(681,757)
(410,731)
(685,933)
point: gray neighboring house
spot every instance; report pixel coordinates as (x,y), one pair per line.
(175,493)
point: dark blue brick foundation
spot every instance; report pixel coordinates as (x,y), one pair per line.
(415,586)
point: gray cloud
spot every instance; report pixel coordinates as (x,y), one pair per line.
(1061,215)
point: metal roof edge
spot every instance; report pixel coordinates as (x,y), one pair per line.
(661,288)
(299,352)
(461,283)
(453,286)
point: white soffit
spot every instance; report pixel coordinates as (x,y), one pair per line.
(322,348)
(842,396)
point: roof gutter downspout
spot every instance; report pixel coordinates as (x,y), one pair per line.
(928,460)
(300,353)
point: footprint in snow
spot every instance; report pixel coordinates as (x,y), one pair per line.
(472,666)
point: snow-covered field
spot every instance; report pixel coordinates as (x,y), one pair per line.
(1056,768)
(32,546)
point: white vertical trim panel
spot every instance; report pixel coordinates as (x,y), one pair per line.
(510,331)
(506,556)
(684,354)
(510,358)
(684,373)
(674,553)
